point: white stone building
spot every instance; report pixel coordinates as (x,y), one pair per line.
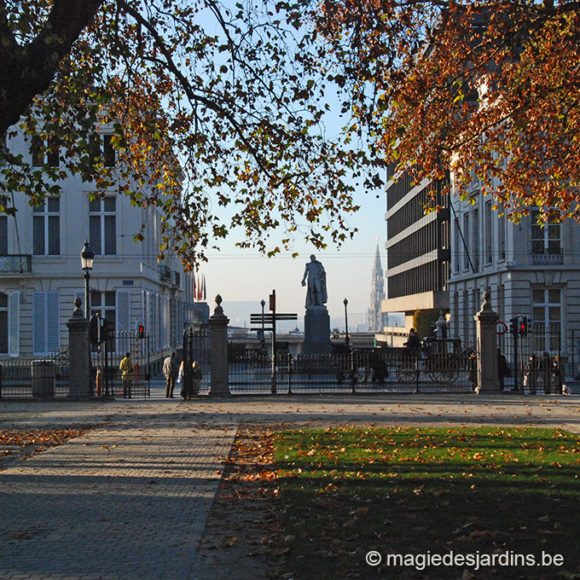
(40,269)
(531,271)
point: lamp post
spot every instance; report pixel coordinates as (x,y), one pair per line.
(346,339)
(87,258)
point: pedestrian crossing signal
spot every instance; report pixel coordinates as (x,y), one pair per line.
(514,325)
(94,329)
(141,331)
(524,326)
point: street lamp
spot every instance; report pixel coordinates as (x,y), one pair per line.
(346,339)
(87,258)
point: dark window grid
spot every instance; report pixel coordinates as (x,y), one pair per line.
(46,228)
(3,330)
(101,148)
(3,235)
(414,246)
(424,278)
(41,154)
(104,303)
(545,240)
(103,226)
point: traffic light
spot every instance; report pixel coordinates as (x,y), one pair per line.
(141,331)
(514,325)
(524,326)
(94,329)
(105,330)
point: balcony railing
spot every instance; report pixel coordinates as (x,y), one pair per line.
(553,259)
(16,264)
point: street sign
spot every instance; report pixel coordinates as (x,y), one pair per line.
(268,317)
(501,327)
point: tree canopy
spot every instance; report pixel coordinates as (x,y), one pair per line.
(219,104)
(210,105)
(488,90)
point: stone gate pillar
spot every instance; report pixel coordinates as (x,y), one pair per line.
(486,332)
(79,355)
(218,330)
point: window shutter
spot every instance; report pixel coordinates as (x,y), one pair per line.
(14,323)
(52,322)
(38,323)
(123,322)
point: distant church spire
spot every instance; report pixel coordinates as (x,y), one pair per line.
(377,294)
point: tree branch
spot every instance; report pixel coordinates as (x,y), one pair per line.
(27,71)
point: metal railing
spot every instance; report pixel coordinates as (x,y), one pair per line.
(16,264)
(35,378)
(372,371)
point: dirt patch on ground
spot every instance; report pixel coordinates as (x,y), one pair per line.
(243,535)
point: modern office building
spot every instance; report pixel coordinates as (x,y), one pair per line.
(418,250)
(40,268)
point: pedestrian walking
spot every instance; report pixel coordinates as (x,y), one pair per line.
(545,374)
(170,370)
(472,371)
(196,375)
(558,376)
(503,370)
(530,375)
(413,344)
(126,367)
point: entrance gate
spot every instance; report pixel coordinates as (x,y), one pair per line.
(105,358)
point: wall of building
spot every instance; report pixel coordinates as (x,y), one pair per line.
(530,271)
(127,282)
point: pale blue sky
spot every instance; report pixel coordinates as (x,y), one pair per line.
(245,275)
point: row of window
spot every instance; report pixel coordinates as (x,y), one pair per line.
(46,222)
(432,236)
(467,244)
(546,311)
(163,320)
(48,152)
(425,278)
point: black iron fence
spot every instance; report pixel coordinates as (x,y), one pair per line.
(195,380)
(106,380)
(539,360)
(439,367)
(41,378)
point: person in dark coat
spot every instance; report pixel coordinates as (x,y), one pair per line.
(503,369)
(472,370)
(559,379)
(170,370)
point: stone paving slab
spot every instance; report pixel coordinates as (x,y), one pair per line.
(126,501)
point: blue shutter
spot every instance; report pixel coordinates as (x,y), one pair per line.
(14,323)
(38,323)
(52,322)
(123,313)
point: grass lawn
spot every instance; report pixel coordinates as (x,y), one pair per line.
(404,490)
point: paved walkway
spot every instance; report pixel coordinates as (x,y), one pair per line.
(130,498)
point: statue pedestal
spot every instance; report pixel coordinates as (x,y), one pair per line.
(317,331)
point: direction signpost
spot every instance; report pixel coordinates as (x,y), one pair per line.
(267,321)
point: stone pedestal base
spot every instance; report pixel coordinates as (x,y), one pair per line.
(317,331)
(79,360)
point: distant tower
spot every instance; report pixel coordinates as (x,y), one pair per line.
(377,294)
